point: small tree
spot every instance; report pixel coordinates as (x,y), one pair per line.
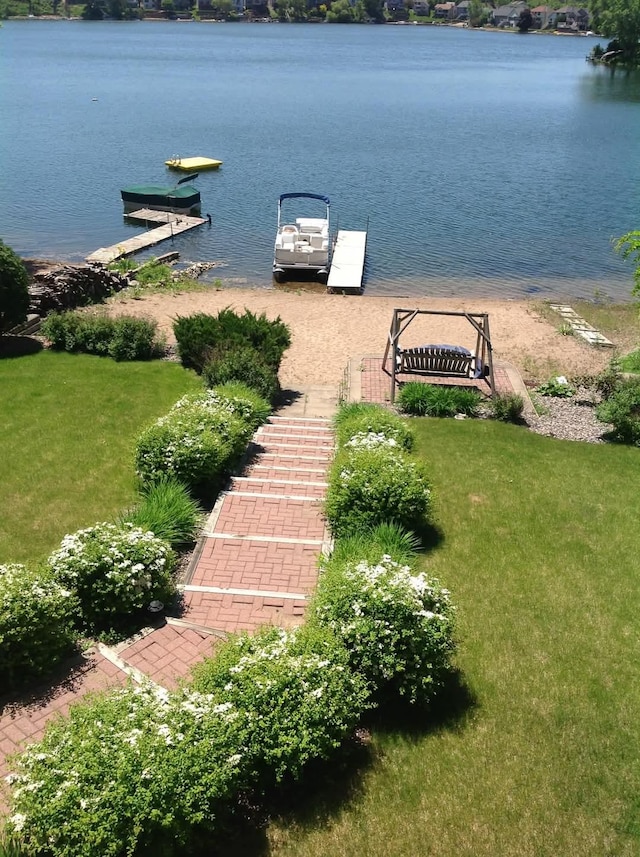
(14,289)
(525,20)
(629,246)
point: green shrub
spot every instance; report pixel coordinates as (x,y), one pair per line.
(167,510)
(122,338)
(365,421)
(135,771)
(436,400)
(14,289)
(368,487)
(507,407)
(300,697)
(242,363)
(557,387)
(396,625)
(200,335)
(630,362)
(115,572)
(134,339)
(387,538)
(36,623)
(622,410)
(198,442)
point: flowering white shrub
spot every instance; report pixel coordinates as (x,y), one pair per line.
(197,441)
(397,625)
(371,485)
(235,398)
(136,771)
(300,697)
(371,440)
(36,623)
(361,419)
(114,571)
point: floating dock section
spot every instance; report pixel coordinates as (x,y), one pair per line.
(347,263)
(170,224)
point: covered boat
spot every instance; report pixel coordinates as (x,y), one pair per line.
(304,244)
(181,199)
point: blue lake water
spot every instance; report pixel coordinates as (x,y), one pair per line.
(484,163)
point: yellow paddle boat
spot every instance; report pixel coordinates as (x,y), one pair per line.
(190,164)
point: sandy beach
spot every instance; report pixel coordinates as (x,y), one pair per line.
(328,330)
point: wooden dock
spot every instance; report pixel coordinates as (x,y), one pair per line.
(347,263)
(170,224)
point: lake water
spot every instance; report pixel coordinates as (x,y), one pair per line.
(484,163)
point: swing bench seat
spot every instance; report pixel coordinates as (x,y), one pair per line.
(451,360)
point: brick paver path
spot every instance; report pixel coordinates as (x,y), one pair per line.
(256,564)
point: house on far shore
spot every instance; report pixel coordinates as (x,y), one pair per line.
(507,16)
(422,8)
(544,17)
(572,19)
(445,11)
(462,10)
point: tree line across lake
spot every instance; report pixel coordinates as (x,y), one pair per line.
(617,20)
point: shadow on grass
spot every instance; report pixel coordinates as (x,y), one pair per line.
(328,787)
(19,346)
(431,536)
(320,795)
(450,710)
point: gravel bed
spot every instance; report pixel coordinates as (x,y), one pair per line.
(569,419)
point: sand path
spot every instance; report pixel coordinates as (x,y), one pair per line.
(327,330)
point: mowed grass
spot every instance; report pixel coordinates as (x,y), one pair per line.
(541,549)
(67,433)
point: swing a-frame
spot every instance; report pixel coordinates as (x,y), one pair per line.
(453,361)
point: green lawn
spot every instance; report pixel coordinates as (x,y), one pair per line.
(69,422)
(541,549)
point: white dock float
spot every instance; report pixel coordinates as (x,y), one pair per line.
(172,224)
(347,263)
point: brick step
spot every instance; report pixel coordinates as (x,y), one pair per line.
(319,422)
(289,463)
(267,516)
(231,613)
(280,440)
(325,435)
(265,446)
(278,487)
(255,565)
(167,653)
(310,470)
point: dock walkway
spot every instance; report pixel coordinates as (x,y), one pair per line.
(347,264)
(170,225)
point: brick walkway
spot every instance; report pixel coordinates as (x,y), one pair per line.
(256,564)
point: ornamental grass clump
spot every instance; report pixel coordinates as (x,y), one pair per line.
(436,400)
(37,617)
(397,625)
(299,696)
(198,442)
(167,510)
(115,572)
(364,424)
(368,487)
(136,771)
